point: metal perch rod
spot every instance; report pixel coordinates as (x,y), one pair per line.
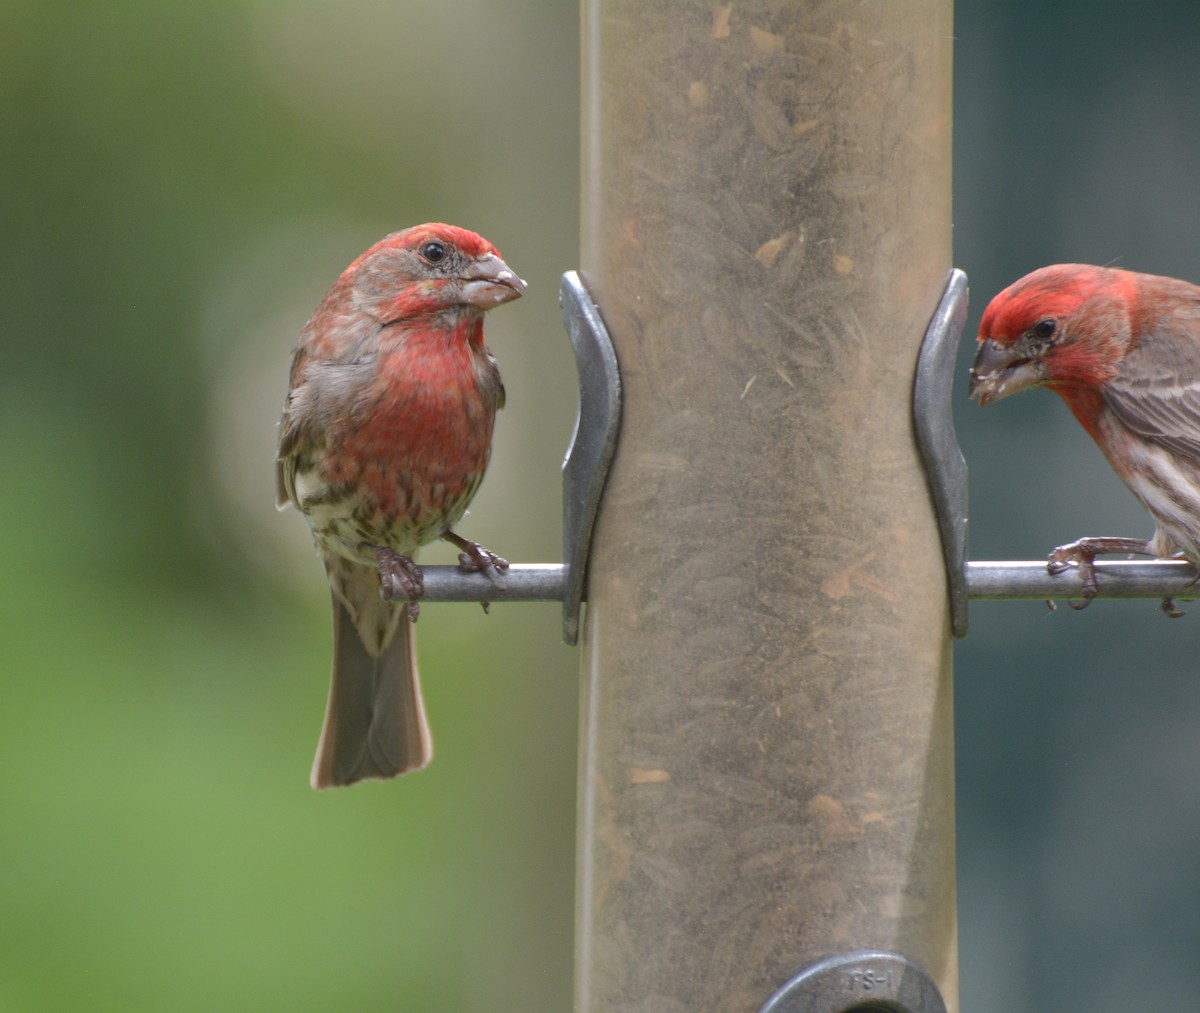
(1026,579)
(521,582)
(1162,578)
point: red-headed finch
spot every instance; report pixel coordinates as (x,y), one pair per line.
(1123,350)
(385,435)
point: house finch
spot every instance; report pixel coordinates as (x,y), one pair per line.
(386,431)
(1123,350)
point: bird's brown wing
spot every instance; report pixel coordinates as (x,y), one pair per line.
(323,393)
(1157,392)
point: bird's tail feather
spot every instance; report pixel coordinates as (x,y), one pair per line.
(375,725)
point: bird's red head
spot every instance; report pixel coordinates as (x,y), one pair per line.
(1064,327)
(430,268)
(470,244)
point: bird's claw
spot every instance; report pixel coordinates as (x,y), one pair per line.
(400,577)
(1083,556)
(1170,609)
(481,560)
(1083,553)
(476,558)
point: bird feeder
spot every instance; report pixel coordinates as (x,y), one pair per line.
(766,781)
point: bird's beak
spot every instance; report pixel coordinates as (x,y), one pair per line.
(488,282)
(1000,370)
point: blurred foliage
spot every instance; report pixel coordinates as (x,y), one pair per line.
(179,183)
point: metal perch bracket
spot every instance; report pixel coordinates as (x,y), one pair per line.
(933,423)
(593,441)
(584,472)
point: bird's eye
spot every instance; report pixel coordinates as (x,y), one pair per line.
(1045,328)
(433,252)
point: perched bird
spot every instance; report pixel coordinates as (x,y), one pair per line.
(1123,350)
(385,435)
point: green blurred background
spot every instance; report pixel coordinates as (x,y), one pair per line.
(179,184)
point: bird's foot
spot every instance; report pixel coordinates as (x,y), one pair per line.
(475,558)
(1083,553)
(1168,604)
(400,577)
